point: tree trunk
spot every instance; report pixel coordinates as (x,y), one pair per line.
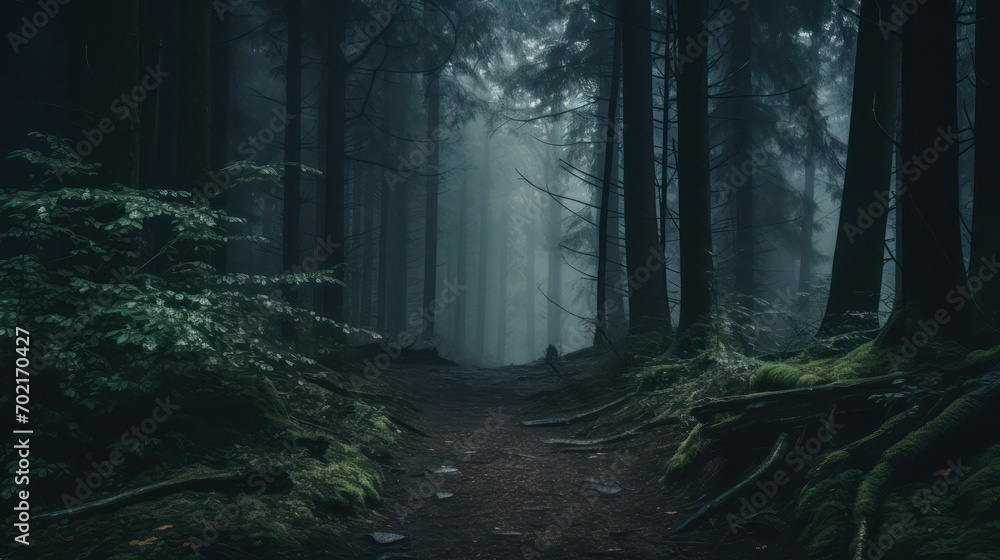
(610,147)
(502,273)
(643,253)
(109,30)
(293,154)
(431,210)
(334,152)
(741,87)
(554,239)
(856,278)
(985,225)
(194,147)
(462,266)
(931,245)
(531,240)
(808,213)
(484,243)
(693,175)
(221,69)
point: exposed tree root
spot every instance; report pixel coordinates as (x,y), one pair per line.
(570,418)
(872,490)
(778,450)
(233,481)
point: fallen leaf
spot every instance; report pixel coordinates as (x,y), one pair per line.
(146,542)
(163,527)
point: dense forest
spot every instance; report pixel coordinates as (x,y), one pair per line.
(309,279)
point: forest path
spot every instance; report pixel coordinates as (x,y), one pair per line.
(480,485)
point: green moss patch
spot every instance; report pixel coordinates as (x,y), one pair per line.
(864,361)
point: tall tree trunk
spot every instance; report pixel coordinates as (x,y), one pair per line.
(808,213)
(529,284)
(554,239)
(334,152)
(693,176)
(431,210)
(462,267)
(741,87)
(644,255)
(109,31)
(856,278)
(194,147)
(610,147)
(293,154)
(502,273)
(933,266)
(382,297)
(484,244)
(986,198)
(220,118)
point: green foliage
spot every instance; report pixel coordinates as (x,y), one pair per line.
(78,266)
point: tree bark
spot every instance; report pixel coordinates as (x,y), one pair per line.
(693,175)
(856,278)
(220,73)
(334,151)
(431,210)
(931,245)
(610,147)
(293,155)
(643,253)
(985,225)
(109,31)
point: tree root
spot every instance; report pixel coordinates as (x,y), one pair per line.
(780,446)
(872,490)
(233,481)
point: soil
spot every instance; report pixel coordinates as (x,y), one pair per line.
(479,485)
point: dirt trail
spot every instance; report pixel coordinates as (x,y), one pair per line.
(480,485)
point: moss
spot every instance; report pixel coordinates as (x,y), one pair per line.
(344,481)
(823,511)
(689,452)
(864,361)
(946,516)
(989,355)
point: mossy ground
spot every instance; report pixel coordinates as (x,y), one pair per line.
(325,488)
(864,361)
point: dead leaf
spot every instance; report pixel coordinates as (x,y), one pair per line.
(146,542)
(163,527)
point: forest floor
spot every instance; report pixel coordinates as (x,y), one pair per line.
(479,484)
